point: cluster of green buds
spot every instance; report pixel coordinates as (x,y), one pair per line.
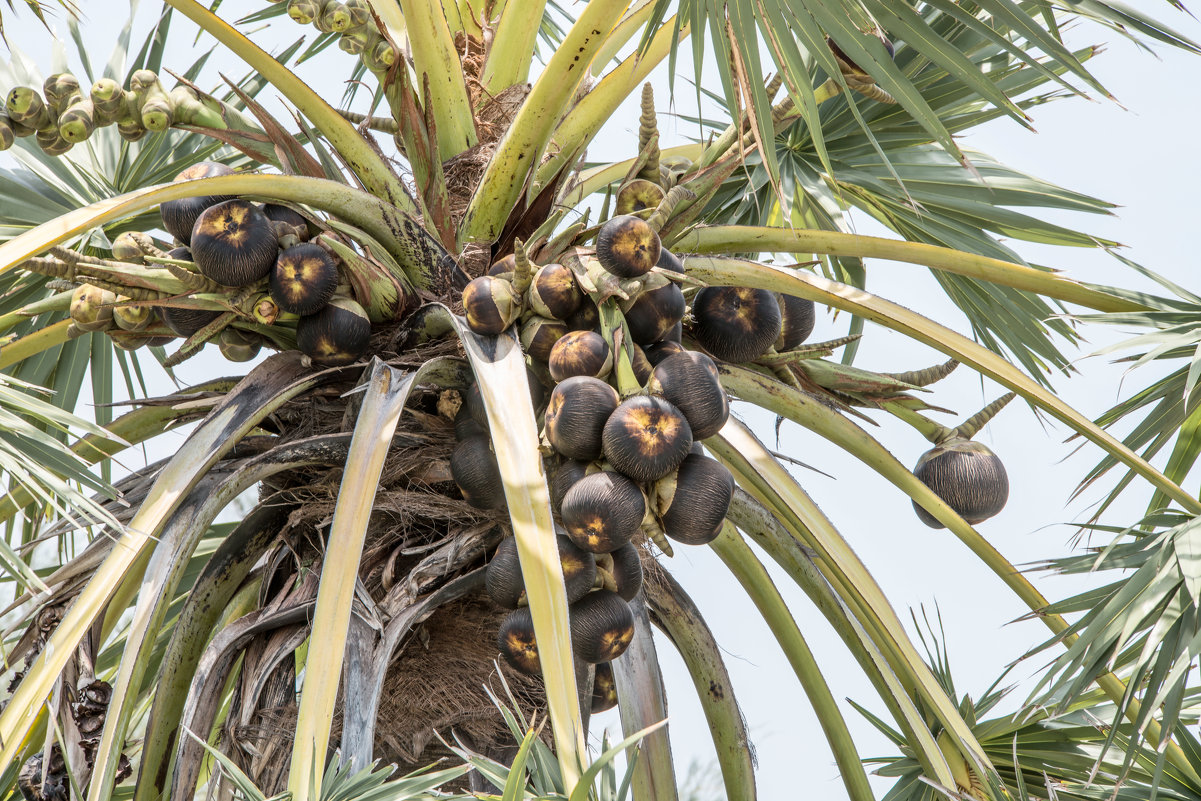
(63,114)
(352,20)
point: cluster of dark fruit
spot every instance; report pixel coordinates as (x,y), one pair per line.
(598,585)
(89,712)
(351,19)
(41,782)
(63,115)
(623,466)
(599,588)
(234,243)
(559,321)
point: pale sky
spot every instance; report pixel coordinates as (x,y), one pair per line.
(1143,157)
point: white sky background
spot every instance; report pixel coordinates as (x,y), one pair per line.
(1144,157)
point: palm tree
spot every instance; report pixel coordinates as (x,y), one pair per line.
(471,354)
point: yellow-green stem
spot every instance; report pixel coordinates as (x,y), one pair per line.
(739,272)
(435,57)
(749,238)
(58,302)
(34,343)
(737,556)
(521,149)
(854,440)
(587,117)
(632,23)
(512,47)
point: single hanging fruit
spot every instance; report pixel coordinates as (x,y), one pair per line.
(233,243)
(338,334)
(583,353)
(604,689)
(968,476)
(735,323)
(516,642)
(576,414)
(689,380)
(554,292)
(602,626)
(798,317)
(179,216)
(694,500)
(627,247)
(646,438)
(303,279)
(475,471)
(602,511)
(490,304)
(653,312)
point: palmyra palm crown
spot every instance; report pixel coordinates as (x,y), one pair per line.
(473,366)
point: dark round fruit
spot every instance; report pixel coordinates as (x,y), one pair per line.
(627,571)
(602,511)
(565,477)
(579,568)
(539,335)
(338,334)
(968,476)
(185,322)
(576,414)
(586,317)
(233,243)
(473,402)
(516,642)
(690,380)
(238,346)
(646,438)
(662,349)
(580,353)
(502,578)
(638,195)
(475,471)
(303,279)
(466,426)
(627,247)
(508,264)
(602,626)
(798,317)
(654,311)
(179,216)
(735,323)
(694,500)
(289,217)
(490,304)
(604,689)
(669,261)
(554,292)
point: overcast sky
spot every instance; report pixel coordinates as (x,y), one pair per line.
(1144,157)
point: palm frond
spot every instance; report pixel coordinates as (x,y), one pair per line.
(1144,624)
(911,184)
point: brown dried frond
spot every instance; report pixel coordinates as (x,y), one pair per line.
(436,684)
